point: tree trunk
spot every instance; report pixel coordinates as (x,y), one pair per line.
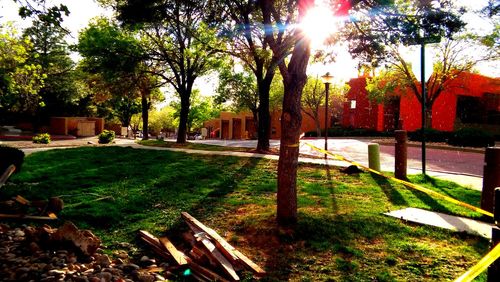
(318,125)
(182,131)
(264,128)
(294,80)
(428,115)
(291,120)
(145,114)
(255,115)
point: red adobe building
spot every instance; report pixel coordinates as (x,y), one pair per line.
(470,100)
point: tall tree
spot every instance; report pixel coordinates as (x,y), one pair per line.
(20,80)
(202,109)
(163,119)
(117,56)
(181,43)
(240,89)
(453,57)
(276,15)
(248,43)
(313,97)
(51,52)
(377,38)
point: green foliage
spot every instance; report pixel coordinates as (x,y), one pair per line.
(40,11)
(112,59)
(180,41)
(238,89)
(106,136)
(10,156)
(314,95)
(471,137)
(163,119)
(384,25)
(202,109)
(60,93)
(20,80)
(42,138)
(387,84)
(109,49)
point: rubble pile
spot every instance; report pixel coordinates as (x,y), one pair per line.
(66,254)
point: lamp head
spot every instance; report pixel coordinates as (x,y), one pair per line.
(327,78)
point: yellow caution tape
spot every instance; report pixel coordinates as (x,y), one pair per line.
(406,183)
(477,269)
(293,145)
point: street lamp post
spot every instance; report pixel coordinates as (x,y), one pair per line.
(424,94)
(424,39)
(327,80)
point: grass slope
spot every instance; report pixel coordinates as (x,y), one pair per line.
(341,234)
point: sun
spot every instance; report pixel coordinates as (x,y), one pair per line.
(318,24)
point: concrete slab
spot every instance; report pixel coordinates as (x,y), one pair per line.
(442,220)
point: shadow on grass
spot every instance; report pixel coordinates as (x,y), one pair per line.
(330,186)
(390,191)
(213,202)
(149,188)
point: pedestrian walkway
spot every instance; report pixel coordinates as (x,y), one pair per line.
(455,223)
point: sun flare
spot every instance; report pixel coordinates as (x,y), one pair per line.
(318,24)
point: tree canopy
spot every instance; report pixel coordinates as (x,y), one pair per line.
(20,80)
(180,42)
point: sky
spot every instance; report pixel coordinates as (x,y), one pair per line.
(82,11)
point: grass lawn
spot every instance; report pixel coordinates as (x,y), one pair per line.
(341,234)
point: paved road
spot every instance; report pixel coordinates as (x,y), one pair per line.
(437,160)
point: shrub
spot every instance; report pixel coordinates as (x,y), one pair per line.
(106,136)
(42,138)
(431,135)
(10,155)
(471,137)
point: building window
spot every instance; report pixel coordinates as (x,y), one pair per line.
(353,104)
(470,109)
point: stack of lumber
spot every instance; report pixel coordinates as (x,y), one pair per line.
(211,258)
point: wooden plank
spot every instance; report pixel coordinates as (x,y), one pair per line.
(6,174)
(212,276)
(20,199)
(159,251)
(224,245)
(158,248)
(258,271)
(149,237)
(22,216)
(154,243)
(178,256)
(221,260)
(221,244)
